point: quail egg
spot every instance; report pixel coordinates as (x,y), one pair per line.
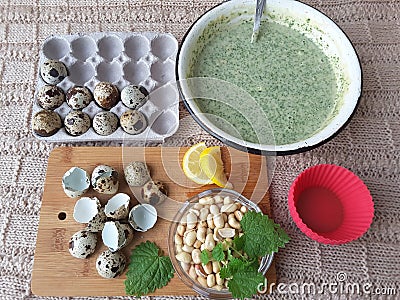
(106,95)
(154,192)
(134,96)
(105,123)
(46,123)
(133,122)
(50,97)
(110,265)
(79,97)
(137,173)
(53,71)
(82,244)
(105,180)
(77,122)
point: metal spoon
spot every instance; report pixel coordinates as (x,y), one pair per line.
(257,19)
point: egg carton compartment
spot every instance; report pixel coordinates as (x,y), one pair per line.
(146,59)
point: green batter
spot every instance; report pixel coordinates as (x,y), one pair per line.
(288,75)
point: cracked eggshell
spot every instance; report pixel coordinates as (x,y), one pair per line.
(143,217)
(110,264)
(97,223)
(105,180)
(137,173)
(86,209)
(154,192)
(82,244)
(117,207)
(75,182)
(114,236)
(128,232)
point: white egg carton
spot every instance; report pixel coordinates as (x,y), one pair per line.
(146,59)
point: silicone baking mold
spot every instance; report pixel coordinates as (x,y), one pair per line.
(146,59)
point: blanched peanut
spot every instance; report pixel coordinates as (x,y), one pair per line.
(218,199)
(208,268)
(198,206)
(234,223)
(228,208)
(187,248)
(209,242)
(214,209)
(209,230)
(201,234)
(238,215)
(243,209)
(197,244)
(218,279)
(227,225)
(191,220)
(178,248)
(210,222)
(206,201)
(180,229)
(238,205)
(195,211)
(203,214)
(211,280)
(196,256)
(227,200)
(189,237)
(178,239)
(185,266)
(218,287)
(219,221)
(215,266)
(216,236)
(184,257)
(202,281)
(225,217)
(202,224)
(202,247)
(200,271)
(192,272)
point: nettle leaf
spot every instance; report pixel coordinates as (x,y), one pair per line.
(204,257)
(148,270)
(244,284)
(218,252)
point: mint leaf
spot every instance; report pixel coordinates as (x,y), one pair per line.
(244,284)
(204,257)
(148,270)
(261,235)
(218,252)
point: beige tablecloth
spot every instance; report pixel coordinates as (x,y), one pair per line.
(369,146)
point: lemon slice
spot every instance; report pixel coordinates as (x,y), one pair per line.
(191,166)
(212,165)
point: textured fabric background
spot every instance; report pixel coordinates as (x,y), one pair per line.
(369,146)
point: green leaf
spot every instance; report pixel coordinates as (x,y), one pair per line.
(238,243)
(244,284)
(218,252)
(204,257)
(234,265)
(261,235)
(147,270)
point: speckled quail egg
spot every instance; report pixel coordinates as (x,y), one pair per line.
(77,122)
(82,244)
(105,123)
(110,265)
(105,180)
(133,122)
(154,192)
(117,207)
(50,97)
(79,97)
(46,123)
(106,95)
(137,173)
(134,96)
(53,71)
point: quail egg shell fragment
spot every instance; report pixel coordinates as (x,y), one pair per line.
(82,244)
(137,173)
(78,97)
(105,123)
(117,207)
(53,71)
(116,235)
(134,96)
(106,95)
(46,123)
(97,223)
(133,122)
(77,122)
(143,217)
(75,182)
(154,192)
(105,180)
(86,209)
(110,264)
(50,97)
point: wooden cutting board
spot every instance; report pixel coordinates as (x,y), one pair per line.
(57,273)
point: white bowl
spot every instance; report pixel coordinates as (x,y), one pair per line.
(320,29)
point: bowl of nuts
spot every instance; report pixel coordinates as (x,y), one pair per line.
(205,237)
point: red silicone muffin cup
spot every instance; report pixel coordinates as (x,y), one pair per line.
(330,204)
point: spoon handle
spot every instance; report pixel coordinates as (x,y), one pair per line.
(257,19)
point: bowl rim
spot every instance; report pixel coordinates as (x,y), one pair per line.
(248,148)
(304,227)
(265,263)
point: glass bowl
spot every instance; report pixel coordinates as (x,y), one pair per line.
(189,206)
